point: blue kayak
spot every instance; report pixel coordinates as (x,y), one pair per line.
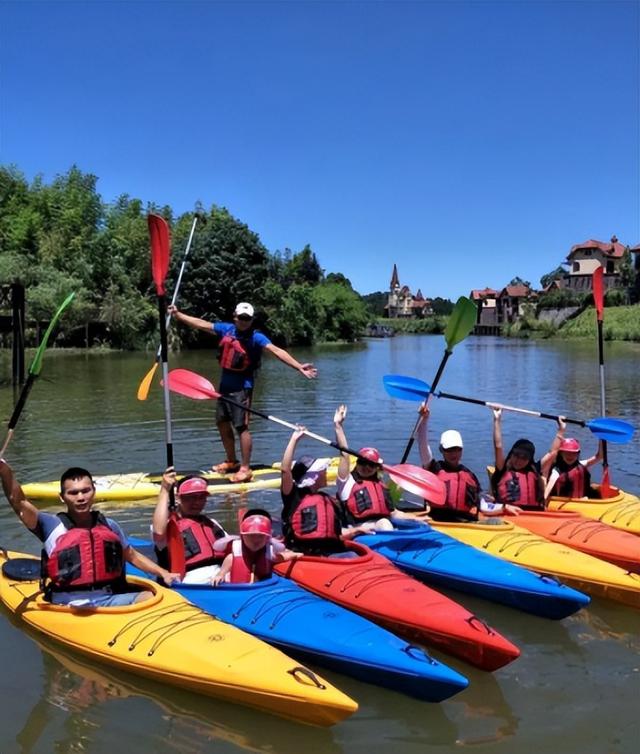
(312,629)
(442,561)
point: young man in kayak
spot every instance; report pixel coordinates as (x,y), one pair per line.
(364,496)
(464,501)
(567,475)
(84,552)
(313,521)
(200,534)
(251,557)
(240,350)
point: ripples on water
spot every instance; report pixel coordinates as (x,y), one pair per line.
(575,688)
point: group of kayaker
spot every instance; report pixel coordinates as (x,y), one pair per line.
(84,553)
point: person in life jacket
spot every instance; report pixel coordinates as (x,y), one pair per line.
(240,350)
(464,501)
(83,551)
(203,538)
(251,557)
(567,474)
(364,496)
(517,480)
(313,521)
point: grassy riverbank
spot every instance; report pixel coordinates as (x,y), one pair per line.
(620,323)
(428,326)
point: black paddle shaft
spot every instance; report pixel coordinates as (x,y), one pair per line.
(432,389)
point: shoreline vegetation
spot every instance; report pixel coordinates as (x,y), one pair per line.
(61,236)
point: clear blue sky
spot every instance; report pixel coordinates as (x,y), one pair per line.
(468,142)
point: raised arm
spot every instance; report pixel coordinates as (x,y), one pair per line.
(286,483)
(187,319)
(548,459)
(498,450)
(161,513)
(426,456)
(26,511)
(341,438)
(308,370)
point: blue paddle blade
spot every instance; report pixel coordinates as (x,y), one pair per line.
(405,388)
(611,430)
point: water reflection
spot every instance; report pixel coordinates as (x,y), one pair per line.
(82,700)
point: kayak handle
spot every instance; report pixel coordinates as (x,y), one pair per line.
(418,653)
(299,670)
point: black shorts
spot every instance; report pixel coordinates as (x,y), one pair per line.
(237,415)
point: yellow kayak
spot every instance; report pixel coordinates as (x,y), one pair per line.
(621,510)
(168,639)
(145,486)
(577,569)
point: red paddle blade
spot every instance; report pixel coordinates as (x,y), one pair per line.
(598,292)
(605,483)
(191,385)
(175,547)
(419,482)
(159,235)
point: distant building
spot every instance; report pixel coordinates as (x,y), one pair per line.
(511,302)
(402,304)
(486,303)
(585,258)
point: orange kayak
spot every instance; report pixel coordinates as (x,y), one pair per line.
(584,534)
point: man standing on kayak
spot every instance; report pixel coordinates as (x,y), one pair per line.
(84,552)
(240,349)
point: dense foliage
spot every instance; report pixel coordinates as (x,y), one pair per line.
(61,237)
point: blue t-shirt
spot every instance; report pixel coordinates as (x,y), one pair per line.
(253,342)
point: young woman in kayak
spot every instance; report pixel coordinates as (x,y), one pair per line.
(568,475)
(251,557)
(364,496)
(199,532)
(517,480)
(313,521)
(83,551)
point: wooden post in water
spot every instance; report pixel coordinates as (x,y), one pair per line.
(17,341)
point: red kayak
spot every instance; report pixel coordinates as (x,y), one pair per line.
(368,584)
(585,534)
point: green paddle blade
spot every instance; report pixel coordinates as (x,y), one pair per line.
(36,364)
(461,321)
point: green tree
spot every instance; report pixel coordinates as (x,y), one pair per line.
(304,267)
(344,313)
(547,279)
(376,302)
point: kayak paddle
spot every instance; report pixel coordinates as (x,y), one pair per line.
(411,478)
(160,252)
(34,371)
(461,322)
(598,300)
(410,388)
(145,385)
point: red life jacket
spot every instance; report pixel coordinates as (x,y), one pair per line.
(85,558)
(462,490)
(521,488)
(368,499)
(574,481)
(233,355)
(199,535)
(247,564)
(315,517)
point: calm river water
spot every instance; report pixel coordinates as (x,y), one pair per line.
(574,689)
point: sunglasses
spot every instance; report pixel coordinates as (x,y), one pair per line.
(368,464)
(244,318)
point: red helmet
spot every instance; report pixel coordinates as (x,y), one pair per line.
(256,524)
(570,444)
(371,454)
(195,485)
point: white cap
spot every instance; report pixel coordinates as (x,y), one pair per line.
(451,439)
(244,308)
(306,470)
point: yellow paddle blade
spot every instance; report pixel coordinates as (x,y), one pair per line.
(145,385)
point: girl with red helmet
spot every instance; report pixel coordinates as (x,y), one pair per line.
(251,557)
(568,475)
